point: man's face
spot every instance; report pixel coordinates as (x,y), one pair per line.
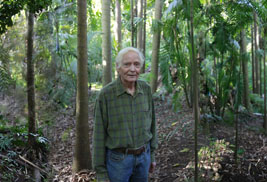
(130,67)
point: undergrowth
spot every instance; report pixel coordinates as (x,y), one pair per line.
(13,145)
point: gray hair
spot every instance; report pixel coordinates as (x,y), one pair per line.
(126,50)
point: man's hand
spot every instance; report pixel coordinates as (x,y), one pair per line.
(152,167)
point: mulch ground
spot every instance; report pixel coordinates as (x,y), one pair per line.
(175,155)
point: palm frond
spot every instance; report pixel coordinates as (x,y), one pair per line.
(165,68)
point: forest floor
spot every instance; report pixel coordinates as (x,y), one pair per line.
(175,155)
(176,148)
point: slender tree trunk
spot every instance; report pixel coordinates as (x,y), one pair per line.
(264,67)
(52,72)
(106,42)
(118,37)
(236,135)
(31,98)
(155,48)
(195,87)
(256,55)
(236,109)
(190,85)
(253,60)
(140,25)
(82,156)
(245,69)
(259,59)
(132,23)
(30,82)
(144,38)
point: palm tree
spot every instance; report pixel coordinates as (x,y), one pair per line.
(155,47)
(82,157)
(144,37)
(195,86)
(30,82)
(106,42)
(140,26)
(118,37)
(245,69)
(264,67)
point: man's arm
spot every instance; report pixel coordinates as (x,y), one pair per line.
(99,136)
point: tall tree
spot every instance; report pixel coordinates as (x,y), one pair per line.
(106,42)
(264,67)
(31,96)
(195,86)
(140,25)
(155,46)
(245,69)
(257,72)
(82,155)
(253,60)
(132,23)
(144,38)
(30,81)
(118,37)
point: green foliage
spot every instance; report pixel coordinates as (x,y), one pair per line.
(13,141)
(5,79)
(257,103)
(9,8)
(165,69)
(261,10)
(5,142)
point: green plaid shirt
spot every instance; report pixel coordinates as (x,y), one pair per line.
(122,121)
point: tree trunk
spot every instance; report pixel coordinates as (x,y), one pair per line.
(264,67)
(253,60)
(155,48)
(195,88)
(82,156)
(30,82)
(144,38)
(106,43)
(259,59)
(118,25)
(132,23)
(256,55)
(245,69)
(31,98)
(140,26)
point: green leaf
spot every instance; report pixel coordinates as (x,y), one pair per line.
(185,150)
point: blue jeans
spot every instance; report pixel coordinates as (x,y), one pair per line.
(126,167)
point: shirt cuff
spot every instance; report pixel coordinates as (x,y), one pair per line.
(102,177)
(152,157)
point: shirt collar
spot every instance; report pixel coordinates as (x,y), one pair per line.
(121,90)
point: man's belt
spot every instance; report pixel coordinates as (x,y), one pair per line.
(131,151)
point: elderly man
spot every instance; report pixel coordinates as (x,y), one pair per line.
(125,136)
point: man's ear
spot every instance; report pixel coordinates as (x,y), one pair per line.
(117,67)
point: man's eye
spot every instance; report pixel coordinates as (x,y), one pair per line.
(137,64)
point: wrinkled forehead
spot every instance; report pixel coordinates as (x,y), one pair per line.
(131,56)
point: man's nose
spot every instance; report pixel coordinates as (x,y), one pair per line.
(132,68)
